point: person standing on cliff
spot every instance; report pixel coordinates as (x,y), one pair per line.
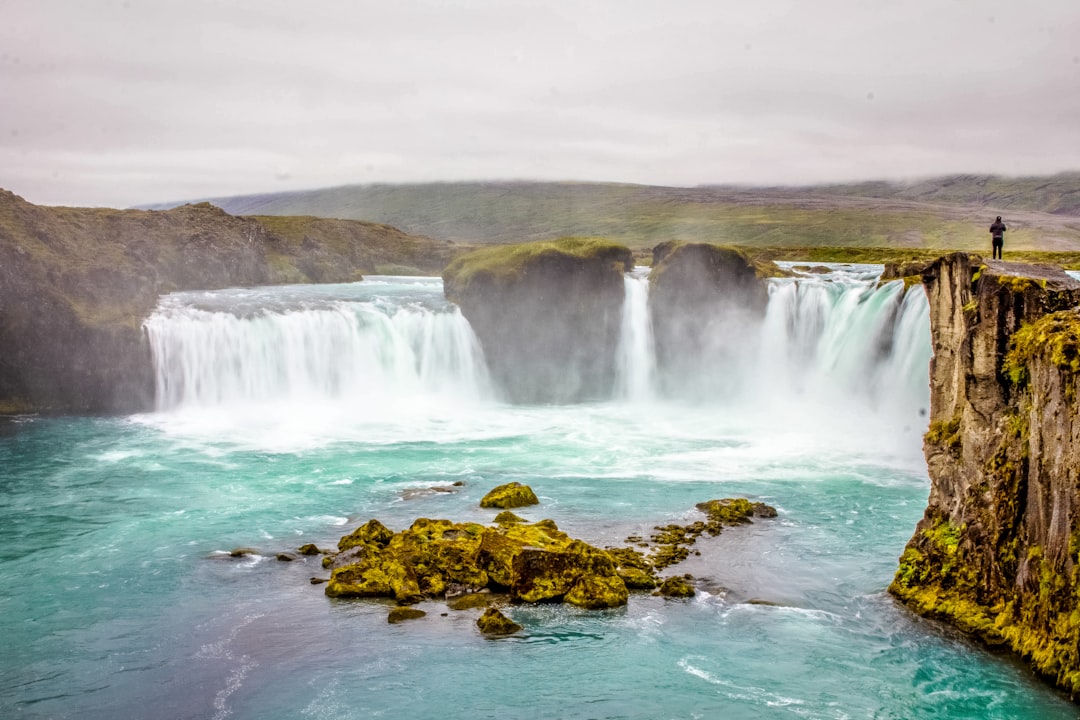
(997,232)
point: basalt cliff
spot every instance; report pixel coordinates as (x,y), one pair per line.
(76,284)
(997,552)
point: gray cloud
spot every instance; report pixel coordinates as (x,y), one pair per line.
(134,101)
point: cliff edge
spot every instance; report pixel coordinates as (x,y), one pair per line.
(996,552)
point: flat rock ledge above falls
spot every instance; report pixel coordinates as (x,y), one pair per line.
(997,552)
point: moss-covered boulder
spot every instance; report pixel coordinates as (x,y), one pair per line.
(705,300)
(547,314)
(372,532)
(508,518)
(676,587)
(580,574)
(510,495)
(493,622)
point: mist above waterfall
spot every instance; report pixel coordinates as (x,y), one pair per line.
(828,350)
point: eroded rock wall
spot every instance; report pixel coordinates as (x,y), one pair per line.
(705,301)
(996,552)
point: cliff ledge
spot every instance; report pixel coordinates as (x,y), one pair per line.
(997,552)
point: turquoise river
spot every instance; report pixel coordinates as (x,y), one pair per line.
(291,415)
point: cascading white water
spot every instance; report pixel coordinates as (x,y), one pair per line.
(636,362)
(828,345)
(355,345)
(843,336)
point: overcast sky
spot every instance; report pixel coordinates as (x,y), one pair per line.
(133,101)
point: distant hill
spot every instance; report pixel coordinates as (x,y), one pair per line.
(944,213)
(1056,194)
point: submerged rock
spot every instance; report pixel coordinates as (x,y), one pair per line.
(470,601)
(242,552)
(401,614)
(493,622)
(510,495)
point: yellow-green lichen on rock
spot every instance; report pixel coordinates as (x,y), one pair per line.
(510,495)
(535,562)
(493,622)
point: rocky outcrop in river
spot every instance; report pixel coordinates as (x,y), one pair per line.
(547,315)
(997,552)
(705,301)
(76,284)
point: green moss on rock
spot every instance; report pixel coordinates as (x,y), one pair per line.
(676,587)
(501,265)
(507,518)
(945,433)
(510,495)
(1055,336)
(493,622)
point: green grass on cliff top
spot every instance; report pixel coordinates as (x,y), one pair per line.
(503,263)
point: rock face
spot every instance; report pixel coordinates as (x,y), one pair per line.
(547,315)
(996,552)
(704,301)
(76,284)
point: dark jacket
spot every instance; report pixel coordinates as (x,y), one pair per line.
(997,230)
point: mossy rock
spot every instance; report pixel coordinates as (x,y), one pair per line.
(676,587)
(510,495)
(401,614)
(634,568)
(598,592)
(493,622)
(506,517)
(309,549)
(372,532)
(735,511)
(501,265)
(470,601)
(579,573)
(437,558)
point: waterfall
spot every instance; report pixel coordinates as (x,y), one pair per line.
(370,349)
(845,340)
(636,361)
(829,344)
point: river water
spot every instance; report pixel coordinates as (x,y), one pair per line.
(291,415)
